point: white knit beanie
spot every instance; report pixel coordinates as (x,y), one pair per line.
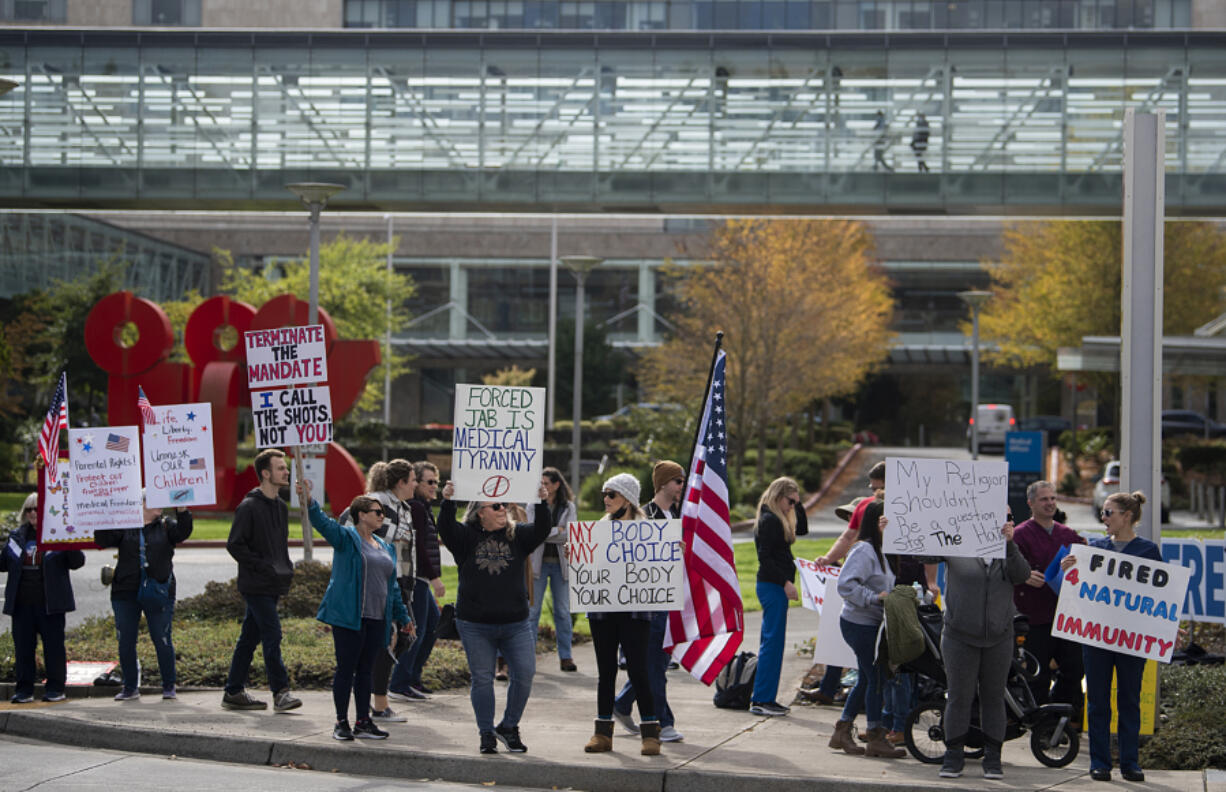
(625,485)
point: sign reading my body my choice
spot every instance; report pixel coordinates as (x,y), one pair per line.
(286,356)
(945,507)
(625,565)
(496,450)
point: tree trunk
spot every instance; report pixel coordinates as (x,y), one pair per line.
(779,452)
(827,417)
(811,414)
(761,467)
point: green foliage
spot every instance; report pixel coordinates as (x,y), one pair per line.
(1206,457)
(1069,484)
(1194,699)
(221,601)
(653,435)
(589,491)
(604,368)
(1088,442)
(806,467)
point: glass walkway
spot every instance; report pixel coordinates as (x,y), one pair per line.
(965,123)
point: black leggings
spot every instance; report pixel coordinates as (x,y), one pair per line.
(608,632)
(355,657)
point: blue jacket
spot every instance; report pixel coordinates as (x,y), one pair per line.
(342,602)
(1139,546)
(57,588)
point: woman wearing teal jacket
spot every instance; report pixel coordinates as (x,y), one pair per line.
(361,603)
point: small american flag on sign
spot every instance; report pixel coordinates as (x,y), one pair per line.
(147,416)
(116,442)
(195,464)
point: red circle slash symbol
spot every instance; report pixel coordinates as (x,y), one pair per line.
(495,486)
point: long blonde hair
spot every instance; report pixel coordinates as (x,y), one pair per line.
(770,500)
(472,517)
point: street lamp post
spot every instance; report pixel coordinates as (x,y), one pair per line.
(580,266)
(975,299)
(314,195)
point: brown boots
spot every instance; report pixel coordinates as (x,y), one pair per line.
(650,732)
(878,745)
(602,740)
(843,739)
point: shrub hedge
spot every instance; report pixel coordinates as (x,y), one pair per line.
(1194,701)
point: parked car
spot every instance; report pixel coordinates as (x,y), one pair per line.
(994,421)
(1109,484)
(1187,422)
(1051,425)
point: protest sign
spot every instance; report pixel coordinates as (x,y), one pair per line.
(286,356)
(104,484)
(625,565)
(813,577)
(294,417)
(313,470)
(945,507)
(819,591)
(496,450)
(55,527)
(1122,603)
(1206,564)
(178,450)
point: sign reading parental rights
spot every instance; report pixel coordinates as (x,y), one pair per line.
(286,356)
(293,417)
(104,483)
(625,565)
(179,456)
(946,507)
(1120,602)
(496,450)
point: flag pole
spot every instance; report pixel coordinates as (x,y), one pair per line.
(719,341)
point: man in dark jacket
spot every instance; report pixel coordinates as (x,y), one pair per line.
(406,684)
(259,542)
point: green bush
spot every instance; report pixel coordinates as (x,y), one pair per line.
(806,467)
(1208,458)
(221,601)
(592,486)
(1194,701)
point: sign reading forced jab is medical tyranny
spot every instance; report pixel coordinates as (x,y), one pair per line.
(625,565)
(945,507)
(496,450)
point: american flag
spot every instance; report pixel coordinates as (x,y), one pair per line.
(116,442)
(147,416)
(706,633)
(49,437)
(196,464)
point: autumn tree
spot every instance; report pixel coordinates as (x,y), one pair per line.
(805,313)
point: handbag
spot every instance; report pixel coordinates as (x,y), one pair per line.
(151,593)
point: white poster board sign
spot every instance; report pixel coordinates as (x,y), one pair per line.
(945,507)
(178,450)
(313,468)
(286,356)
(104,485)
(56,526)
(819,591)
(496,452)
(625,565)
(1122,603)
(292,417)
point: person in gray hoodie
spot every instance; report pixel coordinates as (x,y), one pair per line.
(977,647)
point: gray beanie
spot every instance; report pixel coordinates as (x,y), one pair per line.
(625,485)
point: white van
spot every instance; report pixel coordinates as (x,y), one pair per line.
(994,420)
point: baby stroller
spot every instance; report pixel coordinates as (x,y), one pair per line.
(1053,740)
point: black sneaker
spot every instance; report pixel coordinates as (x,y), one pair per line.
(769,708)
(365,729)
(242,700)
(489,743)
(342,732)
(285,701)
(509,735)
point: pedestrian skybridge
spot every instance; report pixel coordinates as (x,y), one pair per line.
(1017,123)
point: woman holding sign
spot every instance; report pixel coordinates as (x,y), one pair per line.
(1121,513)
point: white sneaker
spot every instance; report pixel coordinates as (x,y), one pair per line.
(670,734)
(627,722)
(388,716)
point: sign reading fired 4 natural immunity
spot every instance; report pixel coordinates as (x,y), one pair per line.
(496,451)
(945,507)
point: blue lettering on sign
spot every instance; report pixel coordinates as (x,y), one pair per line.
(1215,607)
(266,397)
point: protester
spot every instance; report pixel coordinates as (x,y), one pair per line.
(773,537)
(37,594)
(668,480)
(361,604)
(977,647)
(492,607)
(629,630)
(1120,514)
(393,485)
(406,683)
(549,564)
(864,583)
(259,542)
(1040,538)
(148,551)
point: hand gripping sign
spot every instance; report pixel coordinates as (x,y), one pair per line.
(496,450)
(625,565)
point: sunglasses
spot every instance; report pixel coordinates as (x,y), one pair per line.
(495,506)
(375,511)
(792,499)
(678,480)
(608,495)
(431,482)
(1107,512)
(29,509)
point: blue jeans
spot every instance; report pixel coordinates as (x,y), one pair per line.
(127,627)
(657,668)
(832,680)
(261,627)
(425,617)
(896,701)
(1099,664)
(866,695)
(482,644)
(770,645)
(551,573)
(355,658)
(29,622)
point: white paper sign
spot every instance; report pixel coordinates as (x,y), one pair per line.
(293,417)
(313,468)
(286,356)
(104,485)
(830,647)
(945,507)
(178,450)
(1121,602)
(625,565)
(497,447)
(56,527)
(813,577)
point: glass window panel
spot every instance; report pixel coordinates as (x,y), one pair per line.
(797,15)
(681,15)
(433,289)
(514,301)
(750,15)
(725,15)
(610,15)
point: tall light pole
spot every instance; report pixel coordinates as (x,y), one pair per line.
(314,195)
(975,299)
(580,266)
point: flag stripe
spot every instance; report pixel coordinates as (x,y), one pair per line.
(49,436)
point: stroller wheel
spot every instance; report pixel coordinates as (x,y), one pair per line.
(925,734)
(1054,750)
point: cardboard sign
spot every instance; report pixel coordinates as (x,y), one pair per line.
(313,468)
(294,417)
(1206,564)
(286,356)
(104,484)
(1122,603)
(178,450)
(82,673)
(55,526)
(625,565)
(813,577)
(819,591)
(496,450)
(945,507)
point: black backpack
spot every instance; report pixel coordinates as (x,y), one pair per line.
(734,685)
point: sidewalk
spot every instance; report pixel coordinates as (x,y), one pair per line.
(722,750)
